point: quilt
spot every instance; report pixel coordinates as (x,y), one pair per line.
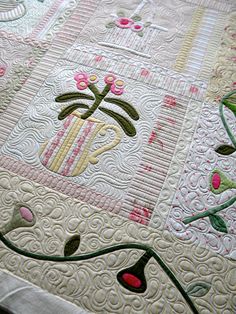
(117,156)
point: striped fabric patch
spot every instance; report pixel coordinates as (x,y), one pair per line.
(66,153)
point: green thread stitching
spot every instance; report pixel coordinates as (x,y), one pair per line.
(102,252)
(216,221)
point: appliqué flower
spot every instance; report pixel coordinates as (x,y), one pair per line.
(137,27)
(81,76)
(119,84)
(124,22)
(117,91)
(82,84)
(109,79)
(93,78)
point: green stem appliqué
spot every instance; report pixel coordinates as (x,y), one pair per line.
(132,278)
(218,180)
(216,221)
(113,85)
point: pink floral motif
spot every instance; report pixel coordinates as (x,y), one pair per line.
(137,27)
(193,89)
(170,101)
(83,80)
(81,76)
(117,91)
(2,71)
(117,87)
(145,72)
(119,83)
(82,84)
(124,22)
(216,180)
(93,79)
(26,214)
(140,214)
(98,58)
(109,79)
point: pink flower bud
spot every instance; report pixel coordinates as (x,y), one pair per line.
(93,79)
(109,79)
(216,180)
(26,214)
(116,91)
(82,84)
(137,27)
(81,76)
(124,22)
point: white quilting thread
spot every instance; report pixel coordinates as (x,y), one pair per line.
(102,43)
(11,10)
(126,39)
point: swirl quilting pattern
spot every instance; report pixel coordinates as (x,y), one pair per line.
(223,78)
(92,284)
(117,156)
(193,194)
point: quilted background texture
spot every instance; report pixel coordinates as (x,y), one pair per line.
(118,156)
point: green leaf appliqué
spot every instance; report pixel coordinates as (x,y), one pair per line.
(126,125)
(68,110)
(230,101)
(147,24)
(72,245)
(225,150)
(128,108)
(218,223)
(136,18)
(73,96)
(198,289)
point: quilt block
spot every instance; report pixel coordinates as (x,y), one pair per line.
(117,156)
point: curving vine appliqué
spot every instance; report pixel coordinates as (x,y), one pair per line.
(219,182)
(132,278)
